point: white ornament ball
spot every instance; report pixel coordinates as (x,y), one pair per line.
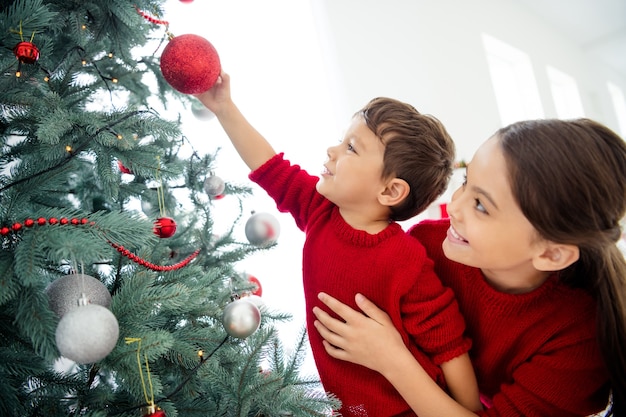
(241,318)
(87,334)
(262,229)
(63,293)
(214,186)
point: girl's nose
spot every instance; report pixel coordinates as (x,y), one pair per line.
(453,205)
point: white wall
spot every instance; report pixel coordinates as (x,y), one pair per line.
(430,54)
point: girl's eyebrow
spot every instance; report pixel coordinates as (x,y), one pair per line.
(481,191)
(485,194)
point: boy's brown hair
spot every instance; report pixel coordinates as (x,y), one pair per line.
(418,150)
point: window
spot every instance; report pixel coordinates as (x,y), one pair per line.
(513,81)
(565,94)
(619,102)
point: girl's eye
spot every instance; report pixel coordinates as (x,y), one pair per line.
(464,180)
(351,148)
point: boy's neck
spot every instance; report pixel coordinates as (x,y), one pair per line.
(367,223)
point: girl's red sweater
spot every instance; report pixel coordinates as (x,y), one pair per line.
(535,354)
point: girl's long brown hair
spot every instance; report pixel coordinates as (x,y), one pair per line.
(569,178)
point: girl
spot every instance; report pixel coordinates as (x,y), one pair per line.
(530,252)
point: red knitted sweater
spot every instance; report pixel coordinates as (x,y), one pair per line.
(534,354)
(390,268)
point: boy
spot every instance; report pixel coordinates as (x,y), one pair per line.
(391,164)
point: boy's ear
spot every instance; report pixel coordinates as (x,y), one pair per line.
(395,191)
(556,256)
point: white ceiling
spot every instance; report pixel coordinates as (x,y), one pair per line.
(598,26)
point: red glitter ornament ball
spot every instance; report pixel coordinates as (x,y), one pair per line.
(26,52)
(164,227)
(190,64)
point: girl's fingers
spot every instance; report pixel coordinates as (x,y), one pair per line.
(371,310)
(342,310)
(328,327)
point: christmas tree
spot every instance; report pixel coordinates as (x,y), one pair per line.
(107,309)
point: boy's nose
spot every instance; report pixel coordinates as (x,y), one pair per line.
(330,151)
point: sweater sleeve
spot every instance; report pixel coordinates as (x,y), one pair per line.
(567,382)
(431,316)
(292,188)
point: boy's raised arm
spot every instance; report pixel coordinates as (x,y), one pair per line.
(253,148)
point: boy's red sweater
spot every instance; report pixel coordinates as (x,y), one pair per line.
(390,268)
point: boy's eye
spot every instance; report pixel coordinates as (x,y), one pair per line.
(479,206)
(350,147)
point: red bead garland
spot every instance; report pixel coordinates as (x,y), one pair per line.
(152,19)
(42,221)
(161,268)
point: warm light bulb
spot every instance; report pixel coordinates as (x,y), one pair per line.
(114,80)
(18,74)
(68,148)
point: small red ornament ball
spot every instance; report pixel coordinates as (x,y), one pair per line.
(164,227)
(122,168)
(190,64)
(157,413)
(254,280)
(186,1)
(26,52)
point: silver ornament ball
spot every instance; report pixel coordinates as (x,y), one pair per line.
(241,318)
(63,293)
(262,229)
(214,186)
(87,334)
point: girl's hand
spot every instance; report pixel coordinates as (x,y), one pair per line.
(367,338)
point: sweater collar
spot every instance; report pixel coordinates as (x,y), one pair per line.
(511,302)
(361,238)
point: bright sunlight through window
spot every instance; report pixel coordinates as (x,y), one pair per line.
(513,81)
(565,94)
(619,102)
